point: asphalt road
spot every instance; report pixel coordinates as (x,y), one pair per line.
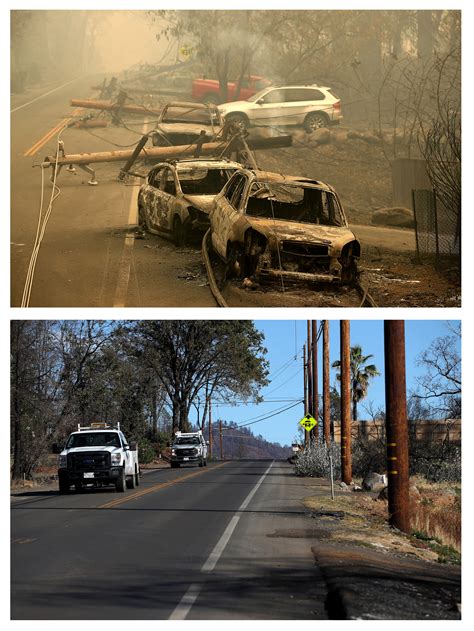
(87,257)
(211,543)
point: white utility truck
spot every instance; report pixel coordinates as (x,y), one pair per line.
(189,448)
(98,455)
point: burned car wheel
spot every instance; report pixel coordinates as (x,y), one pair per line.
(179,232)
(239,121)
(315,121)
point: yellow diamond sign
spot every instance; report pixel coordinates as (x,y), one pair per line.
(308,422)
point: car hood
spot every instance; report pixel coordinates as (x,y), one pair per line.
(203,202)
(334,236)
(233,105)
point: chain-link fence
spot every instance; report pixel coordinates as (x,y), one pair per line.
(437,230)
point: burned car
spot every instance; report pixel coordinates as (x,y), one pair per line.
(284,227)
(178,195)
(182,123)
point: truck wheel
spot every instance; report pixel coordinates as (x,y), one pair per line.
(120,482)
(137,477)
(205,463)
(201,463)
(130,481)
(78,486)
(175,465)
(63,486)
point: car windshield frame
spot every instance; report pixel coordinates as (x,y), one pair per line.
(328,203)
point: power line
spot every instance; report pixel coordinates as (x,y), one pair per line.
(275,413)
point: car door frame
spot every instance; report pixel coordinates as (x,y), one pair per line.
(224,215)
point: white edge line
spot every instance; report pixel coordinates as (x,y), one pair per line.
(187,601)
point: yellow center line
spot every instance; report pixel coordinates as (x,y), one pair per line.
(42,141)
(156,487)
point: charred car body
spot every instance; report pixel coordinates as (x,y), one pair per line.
(293,228)
(182,123)
(178,195)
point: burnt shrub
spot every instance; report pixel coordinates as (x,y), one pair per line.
(314,461)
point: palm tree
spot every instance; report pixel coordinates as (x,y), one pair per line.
(361,374)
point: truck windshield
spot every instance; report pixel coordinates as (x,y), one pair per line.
(93,439)
(182,440)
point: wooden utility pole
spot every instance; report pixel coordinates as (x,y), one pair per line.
(326,385)
(305,389)
(220,438)
(210,429)
(346,458)
(314,354)
(310,374)
(396,425)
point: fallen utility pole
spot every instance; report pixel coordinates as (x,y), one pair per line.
(158,154)
(326,385)
(346,430)
(111,106)
(396,425)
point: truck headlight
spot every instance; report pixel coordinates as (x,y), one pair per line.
(173,452)
(62,462)
(116,459)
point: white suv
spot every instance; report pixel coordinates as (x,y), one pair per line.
(311,106)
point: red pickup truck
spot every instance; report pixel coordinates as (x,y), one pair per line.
(207,90)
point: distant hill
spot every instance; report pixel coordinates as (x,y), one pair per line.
(240,443)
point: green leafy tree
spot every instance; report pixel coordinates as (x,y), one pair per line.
(195,357)
(361,374)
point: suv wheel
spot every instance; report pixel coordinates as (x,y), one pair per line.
(315,121)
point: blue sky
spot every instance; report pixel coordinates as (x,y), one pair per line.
(284,341)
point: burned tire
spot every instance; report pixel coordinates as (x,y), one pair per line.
(179,232)
(239,121)
(315,121)
(120,482)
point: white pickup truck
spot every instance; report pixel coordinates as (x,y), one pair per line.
(188,448)
(98,455)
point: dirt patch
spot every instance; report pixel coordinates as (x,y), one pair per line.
(363,525)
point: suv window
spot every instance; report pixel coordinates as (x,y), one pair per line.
(275,96)
(304,94)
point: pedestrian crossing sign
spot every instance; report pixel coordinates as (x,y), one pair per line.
(308,422)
